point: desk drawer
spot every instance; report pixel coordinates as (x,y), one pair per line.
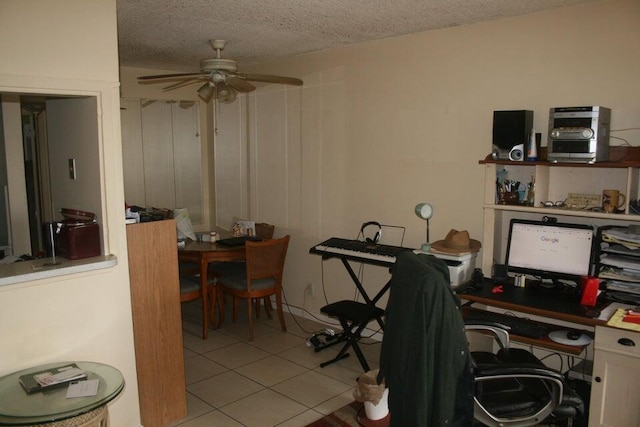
(618,340)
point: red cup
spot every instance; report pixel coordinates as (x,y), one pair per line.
(590,286)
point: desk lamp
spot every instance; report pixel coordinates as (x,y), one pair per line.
(425,211)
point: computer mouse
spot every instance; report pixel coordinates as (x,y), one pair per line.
(573,335)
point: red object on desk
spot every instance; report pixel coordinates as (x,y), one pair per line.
(590,286)
(497,289)
(631,318)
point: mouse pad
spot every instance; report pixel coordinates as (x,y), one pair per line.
(560,337)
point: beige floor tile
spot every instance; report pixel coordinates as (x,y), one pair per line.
(346,370)
(224,388)
(335,403)
(236,355)
(263,409)
(215,341)
(311,388)
(193,326)
(189,353)
(277,341)
(240,329)
(199,368)
(211,419)
(195,408)
(305,418)
(270,371)
(307,357)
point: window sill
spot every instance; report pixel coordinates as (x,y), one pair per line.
(25,271)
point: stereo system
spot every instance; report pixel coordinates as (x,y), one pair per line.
(576,134)
(579,134)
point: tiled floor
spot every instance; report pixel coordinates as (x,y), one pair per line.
(275,380)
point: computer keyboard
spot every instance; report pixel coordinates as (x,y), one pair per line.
(519,326)
(237,241)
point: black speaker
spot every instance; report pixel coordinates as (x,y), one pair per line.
(511,130)
(500,274)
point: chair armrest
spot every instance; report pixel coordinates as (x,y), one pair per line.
(499,332)
(518,370)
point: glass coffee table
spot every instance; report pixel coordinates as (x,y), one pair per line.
(18,408)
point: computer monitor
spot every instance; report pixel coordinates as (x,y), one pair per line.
(550,251)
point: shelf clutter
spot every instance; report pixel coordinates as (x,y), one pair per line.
(619,262)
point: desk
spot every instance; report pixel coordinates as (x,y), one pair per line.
(548,303)
(202,254)
(51,406)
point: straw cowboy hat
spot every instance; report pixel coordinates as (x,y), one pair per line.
(457,242)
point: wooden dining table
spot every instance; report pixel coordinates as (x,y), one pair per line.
(203,254)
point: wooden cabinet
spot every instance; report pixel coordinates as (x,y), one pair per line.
(615,390)
(157,322)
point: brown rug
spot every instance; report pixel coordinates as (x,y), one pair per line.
(351,415)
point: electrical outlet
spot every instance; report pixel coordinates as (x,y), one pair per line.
(309,289)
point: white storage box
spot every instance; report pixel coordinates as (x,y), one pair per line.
(460,267)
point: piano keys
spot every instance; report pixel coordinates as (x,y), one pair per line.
(357,250)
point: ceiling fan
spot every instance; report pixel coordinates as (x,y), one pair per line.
(221,78)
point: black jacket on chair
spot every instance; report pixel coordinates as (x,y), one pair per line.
(425,357)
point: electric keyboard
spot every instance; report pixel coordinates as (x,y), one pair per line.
(359,251)
(517,325)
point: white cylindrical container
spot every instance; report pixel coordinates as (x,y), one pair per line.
(532,151)
(379,411)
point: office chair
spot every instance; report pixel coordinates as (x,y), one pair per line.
(514,388)
(433,377)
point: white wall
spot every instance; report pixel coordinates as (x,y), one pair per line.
(132,91)
(70,47)
(13,146)
(380,126)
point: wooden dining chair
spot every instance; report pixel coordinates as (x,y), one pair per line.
(190,290)
(259,277)
(264,230)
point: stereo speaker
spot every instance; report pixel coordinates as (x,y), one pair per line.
(511,130)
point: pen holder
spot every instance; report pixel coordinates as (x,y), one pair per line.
(510,198)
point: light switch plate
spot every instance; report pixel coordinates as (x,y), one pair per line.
(72,168)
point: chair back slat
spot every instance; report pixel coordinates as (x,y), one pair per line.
(266,259)
(264,230)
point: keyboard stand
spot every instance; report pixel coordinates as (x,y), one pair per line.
(359,286)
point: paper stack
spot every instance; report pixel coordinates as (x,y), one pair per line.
(50,378)
(620,261)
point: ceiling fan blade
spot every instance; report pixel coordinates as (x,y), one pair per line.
(181,84)
(240,84)
(273,79)
(170,76)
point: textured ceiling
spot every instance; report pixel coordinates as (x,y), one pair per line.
(175,34)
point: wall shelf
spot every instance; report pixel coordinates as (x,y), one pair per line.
(554,182)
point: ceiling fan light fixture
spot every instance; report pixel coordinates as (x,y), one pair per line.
(229,98)
(220,77)
(206,91)
(223,90)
